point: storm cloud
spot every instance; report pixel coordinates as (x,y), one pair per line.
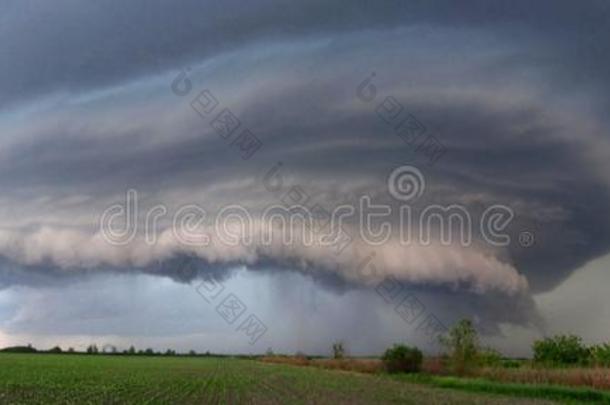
(517,93)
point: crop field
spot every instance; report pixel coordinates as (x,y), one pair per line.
(83,379)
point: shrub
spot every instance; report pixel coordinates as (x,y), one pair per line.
(489,357)
(402,359)
(561,350)
(600,354)
(510,363)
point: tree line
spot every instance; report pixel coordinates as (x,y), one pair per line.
(108,349)
(462,352)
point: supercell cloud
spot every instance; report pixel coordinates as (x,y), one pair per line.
(96,100)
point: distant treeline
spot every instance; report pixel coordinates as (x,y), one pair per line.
(112,350)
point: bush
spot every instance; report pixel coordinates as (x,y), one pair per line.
(402,359)
(489,358)
(600,354)
(561,350)
(510,363)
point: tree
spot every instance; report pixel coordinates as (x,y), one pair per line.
(338,350)
(55,349)
(131,350)
(92,349)
(462,343)
(19,349)
(601,354)
(192,353)
(402,359)
(561,350)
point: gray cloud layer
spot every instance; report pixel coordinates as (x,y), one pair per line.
(516,91)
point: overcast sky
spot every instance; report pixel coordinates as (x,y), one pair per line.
(96,99)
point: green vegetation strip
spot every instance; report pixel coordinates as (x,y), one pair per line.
(552,392)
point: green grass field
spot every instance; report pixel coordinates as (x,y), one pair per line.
(48,378)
